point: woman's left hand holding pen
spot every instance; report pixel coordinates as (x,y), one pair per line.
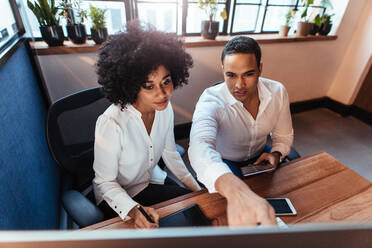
(140,220)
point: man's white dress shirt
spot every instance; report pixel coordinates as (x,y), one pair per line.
(125,156)
(223,128)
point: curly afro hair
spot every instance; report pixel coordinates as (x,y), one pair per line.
(126,59)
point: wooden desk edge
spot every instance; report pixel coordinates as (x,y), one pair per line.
(187,196)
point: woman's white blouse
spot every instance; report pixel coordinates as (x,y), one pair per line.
(125,156)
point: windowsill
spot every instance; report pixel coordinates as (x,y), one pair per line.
(41,48)
(221,40)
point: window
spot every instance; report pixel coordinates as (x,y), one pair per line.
(10,23)
(245,16)
(266,16)
(195,16)
(115,16)
(183,17)
(275,11)
(162,14)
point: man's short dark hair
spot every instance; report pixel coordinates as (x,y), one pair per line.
(242,44)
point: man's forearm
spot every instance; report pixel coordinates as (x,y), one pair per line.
(229,185)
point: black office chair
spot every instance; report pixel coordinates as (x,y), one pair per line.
(70,135)
(293,154)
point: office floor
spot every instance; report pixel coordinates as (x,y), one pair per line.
(345,138)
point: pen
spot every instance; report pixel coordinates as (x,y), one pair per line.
(144,213)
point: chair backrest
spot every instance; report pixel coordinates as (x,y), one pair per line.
(70,133)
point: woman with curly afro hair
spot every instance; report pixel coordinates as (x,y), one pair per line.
(138,70)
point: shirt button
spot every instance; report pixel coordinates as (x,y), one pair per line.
(150,146)
(119,211)
(115,206)
(151,160)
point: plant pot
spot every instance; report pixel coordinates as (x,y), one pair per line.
(52,35)
(99,35)
(325,28)
(314,29)
(209,30)
(284,30)
(77,33)
(303,28)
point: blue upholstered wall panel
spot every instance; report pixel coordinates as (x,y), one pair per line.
(29,178)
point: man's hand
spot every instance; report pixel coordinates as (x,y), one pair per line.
(244,207)
(140,220)
(272,158)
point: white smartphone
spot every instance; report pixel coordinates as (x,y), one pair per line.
(282,206)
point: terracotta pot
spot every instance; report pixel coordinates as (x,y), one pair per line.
(209,30)
(52,35)
(77,33)
(99,35)
(284,30)
(303,28)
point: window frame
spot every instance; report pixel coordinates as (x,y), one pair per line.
(185,6)
(296,6)
(20,28)
(176,2)
(131,12)
(233,17)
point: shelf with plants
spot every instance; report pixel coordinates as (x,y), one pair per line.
(49,12)
(41,48)
(46,14)
(320,24)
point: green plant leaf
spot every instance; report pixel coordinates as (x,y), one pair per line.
(97,17)
(210,8)
(317,20)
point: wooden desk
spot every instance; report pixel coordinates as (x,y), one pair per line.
(321,188)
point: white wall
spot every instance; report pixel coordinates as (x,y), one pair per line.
(356,61)
(307,69)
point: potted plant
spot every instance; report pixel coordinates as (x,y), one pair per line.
(322,18)
(284,29)
(76,31)
(304,26)
(324,23)
(99,30)
(209,29)
(45,12)
(313,28)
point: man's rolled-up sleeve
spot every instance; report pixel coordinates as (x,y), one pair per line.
(282,133)
(204,158)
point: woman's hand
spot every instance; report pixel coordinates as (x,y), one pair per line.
(140,220)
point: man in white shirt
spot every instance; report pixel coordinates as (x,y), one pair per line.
(230,126)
